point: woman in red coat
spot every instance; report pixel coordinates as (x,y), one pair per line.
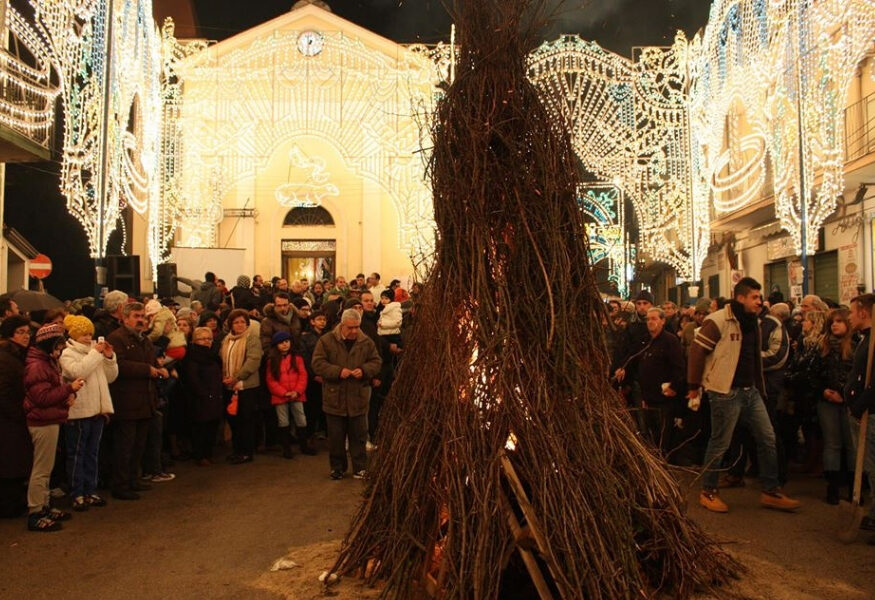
(46,402)
(287,382)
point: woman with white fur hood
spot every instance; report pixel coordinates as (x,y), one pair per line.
(95,363)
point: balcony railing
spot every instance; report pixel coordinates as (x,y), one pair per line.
(860,128)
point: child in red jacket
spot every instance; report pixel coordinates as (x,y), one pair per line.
(46,402)
(287,382)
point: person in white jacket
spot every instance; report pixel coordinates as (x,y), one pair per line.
(95,363)
(389,323)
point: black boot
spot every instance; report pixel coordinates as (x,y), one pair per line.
(832,487)
(304,441)
(286,441)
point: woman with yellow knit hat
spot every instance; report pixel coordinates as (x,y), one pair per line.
(95,362)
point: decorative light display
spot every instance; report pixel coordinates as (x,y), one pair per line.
(124,150)
(629,126)
(316,186)
(29,93)
(237,107)
(762,72)
(603,211)
(685,132)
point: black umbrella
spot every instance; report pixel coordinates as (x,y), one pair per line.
(30,301)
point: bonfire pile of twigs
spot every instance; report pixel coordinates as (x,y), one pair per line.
(508,343)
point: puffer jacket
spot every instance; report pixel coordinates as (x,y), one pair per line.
(289,381)
(45,394)
(390,319)
(79,360)
(159,323)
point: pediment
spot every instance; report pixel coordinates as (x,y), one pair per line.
(310,17)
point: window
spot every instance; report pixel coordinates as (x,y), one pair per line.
(308,216)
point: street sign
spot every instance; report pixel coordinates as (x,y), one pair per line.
(40,266)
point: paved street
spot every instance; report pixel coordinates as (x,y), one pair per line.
(214,532)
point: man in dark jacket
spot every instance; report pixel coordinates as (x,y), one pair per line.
(661,376)
(858,396)
(109,318)
(347,361)
(279,316)
(134,398)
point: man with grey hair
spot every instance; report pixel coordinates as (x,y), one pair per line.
(347,360)
(109,318)
(134,398)
(812,302)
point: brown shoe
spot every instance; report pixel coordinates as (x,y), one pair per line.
(778,500)
(710,499)
(732,481)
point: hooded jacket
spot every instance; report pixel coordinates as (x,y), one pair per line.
(79,360)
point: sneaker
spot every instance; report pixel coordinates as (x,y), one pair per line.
(40,522)
(778,500)
(370,447)
(360,474)
(710,499)
(162,477)
(80,504)
(732,481)
(336,475)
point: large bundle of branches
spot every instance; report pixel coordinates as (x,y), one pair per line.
(508,344)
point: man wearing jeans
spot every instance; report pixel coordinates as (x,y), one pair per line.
(860,398)
(725,360)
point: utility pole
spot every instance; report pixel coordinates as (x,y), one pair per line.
(103,180)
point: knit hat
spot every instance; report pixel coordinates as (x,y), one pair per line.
(401,295)
(703,306)
(644,295)
(243,281)
(78,326)
(49,331)
(279,337)
(152,307)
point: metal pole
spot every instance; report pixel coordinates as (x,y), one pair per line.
(99,260)
(803,192)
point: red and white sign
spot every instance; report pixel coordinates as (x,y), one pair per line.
(40,266)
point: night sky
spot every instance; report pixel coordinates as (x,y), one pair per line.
(36,208)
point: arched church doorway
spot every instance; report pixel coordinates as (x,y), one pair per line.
(311,259)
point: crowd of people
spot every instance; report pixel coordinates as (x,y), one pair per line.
(108,398)
(750,385)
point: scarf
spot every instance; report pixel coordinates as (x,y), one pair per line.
(233,353)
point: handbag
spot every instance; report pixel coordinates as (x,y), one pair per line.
(232,406)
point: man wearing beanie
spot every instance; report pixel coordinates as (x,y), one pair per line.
(134,397)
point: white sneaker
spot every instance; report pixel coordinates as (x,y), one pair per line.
(162,477)
(370,447)
(360,474)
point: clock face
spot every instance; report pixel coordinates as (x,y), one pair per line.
(310,43)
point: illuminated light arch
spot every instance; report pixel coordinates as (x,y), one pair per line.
(628,122)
